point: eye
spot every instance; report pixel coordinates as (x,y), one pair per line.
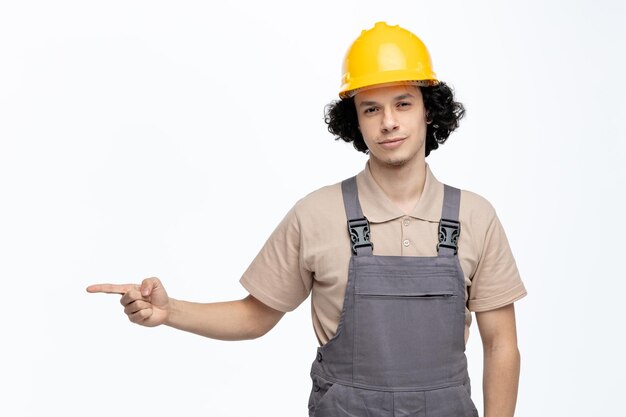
(404,104)
(370,110)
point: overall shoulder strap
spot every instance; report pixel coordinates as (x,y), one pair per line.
(358,225)
(449,226)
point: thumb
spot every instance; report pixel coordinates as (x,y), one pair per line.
(148,285)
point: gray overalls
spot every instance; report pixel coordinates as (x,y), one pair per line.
(399,350)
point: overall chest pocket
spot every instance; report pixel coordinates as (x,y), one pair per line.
(405,328)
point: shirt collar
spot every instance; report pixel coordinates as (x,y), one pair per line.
(378,208)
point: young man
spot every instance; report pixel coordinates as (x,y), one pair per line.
(394,260)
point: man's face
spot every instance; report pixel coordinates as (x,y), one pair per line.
(392,120)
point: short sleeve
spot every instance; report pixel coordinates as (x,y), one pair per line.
(276,276)
(496,281)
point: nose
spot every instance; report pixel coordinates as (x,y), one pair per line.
(389,122)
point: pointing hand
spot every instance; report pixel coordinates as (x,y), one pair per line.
(146,304)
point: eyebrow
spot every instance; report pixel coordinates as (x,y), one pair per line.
(397,98)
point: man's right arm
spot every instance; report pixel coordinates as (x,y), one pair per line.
(149,305)
(230,320)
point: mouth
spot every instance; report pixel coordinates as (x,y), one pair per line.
(391,143)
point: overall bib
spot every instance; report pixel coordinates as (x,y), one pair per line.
(399,350)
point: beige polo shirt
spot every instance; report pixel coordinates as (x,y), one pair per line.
(309,251)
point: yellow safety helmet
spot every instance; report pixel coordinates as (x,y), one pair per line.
(385,54)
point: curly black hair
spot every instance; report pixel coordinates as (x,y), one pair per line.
(442,111)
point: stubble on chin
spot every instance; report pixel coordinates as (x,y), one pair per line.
(397,162)
(389,162)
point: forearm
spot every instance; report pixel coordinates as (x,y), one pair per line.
(230,320)
(500,380)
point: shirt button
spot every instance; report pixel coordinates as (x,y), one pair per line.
(406,242)
(406,222)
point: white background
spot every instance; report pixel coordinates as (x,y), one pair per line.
(154,138)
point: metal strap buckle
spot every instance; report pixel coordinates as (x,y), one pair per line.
(449,231)
(359,230)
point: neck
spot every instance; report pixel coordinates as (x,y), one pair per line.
(403,184)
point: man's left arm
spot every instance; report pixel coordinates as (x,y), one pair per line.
(501,363)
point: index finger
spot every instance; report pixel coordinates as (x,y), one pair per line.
(112,288)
